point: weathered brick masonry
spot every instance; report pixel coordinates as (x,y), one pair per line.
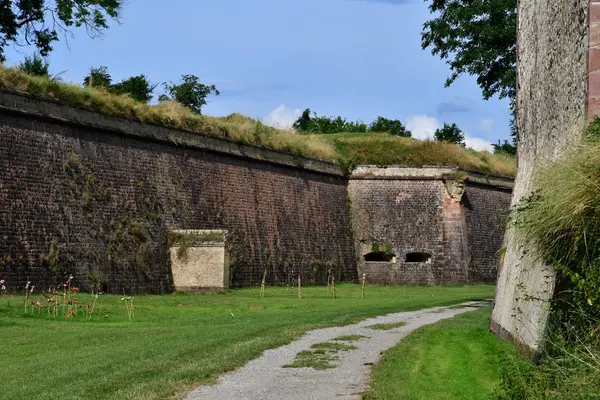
(427,211)
(89,195)
(94,196)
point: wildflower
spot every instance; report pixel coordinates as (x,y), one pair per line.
(75,289)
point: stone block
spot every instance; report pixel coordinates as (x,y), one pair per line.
(199,260)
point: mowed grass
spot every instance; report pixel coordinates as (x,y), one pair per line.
(453,359)
(179,341)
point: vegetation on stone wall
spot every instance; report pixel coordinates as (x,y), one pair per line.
(562,218)
(347,149)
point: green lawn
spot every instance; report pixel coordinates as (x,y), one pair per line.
(178,341)
(453,359)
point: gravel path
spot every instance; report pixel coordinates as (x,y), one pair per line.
(265,379)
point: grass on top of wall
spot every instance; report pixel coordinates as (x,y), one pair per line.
(345,149)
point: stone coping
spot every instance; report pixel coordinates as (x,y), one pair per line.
(42,108)
(428,172)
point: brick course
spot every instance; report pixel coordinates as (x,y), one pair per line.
(75,200)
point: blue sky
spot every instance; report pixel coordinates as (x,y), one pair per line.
(272,58)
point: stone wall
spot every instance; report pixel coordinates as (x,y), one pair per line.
(427,210)
(94,196)
(558,88)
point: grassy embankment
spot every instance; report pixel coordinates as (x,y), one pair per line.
(178,341)
(454,359)
(345,149)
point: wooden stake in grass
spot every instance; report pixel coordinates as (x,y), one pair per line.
(262,285)
(333,285)
(328,282)
(26,295)
(299,287)
(364,278)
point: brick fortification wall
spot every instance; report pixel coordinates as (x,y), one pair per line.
(486,209)
(420,210)
(95,198)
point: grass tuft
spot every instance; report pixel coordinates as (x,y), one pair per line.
(387,327)
(350,338)
(347,149)
(333,346)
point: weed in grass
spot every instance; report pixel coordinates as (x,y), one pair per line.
(350,338)
(320,357)
(387,327)
(333,346)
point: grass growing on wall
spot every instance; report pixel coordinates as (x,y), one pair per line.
(345,149)
(177,341)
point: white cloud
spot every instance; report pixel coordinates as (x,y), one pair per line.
(478,144)
(422,126)
(282,117)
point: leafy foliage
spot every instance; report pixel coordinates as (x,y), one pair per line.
(477,37)
(326,125)
(190,92)
(39,22)
(505,148)
(138,87)
(35,65)
(98,77)
(308,123)
(450,134)
(391,126)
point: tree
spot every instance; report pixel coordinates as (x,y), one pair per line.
(138,87)
(98,77)
(39,22)
(477,37)
(451,134)
(505,148)
(302,124)
(35,65)
(190,92)
(393,127)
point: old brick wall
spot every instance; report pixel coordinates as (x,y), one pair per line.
(406,215)
(486,211)
(80,199)
(412,210)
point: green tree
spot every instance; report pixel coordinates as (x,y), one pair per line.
(39,22)
(302,124)
(451,134)
(392,126)
(98,77)
(190,92)
(505,148)
(35,65)
(477,37)
(138,87)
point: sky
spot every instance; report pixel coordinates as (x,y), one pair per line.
(271,59)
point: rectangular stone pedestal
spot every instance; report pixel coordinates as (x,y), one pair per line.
(199,260)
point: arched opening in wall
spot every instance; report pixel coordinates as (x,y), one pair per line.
(380,256)
(418,257)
